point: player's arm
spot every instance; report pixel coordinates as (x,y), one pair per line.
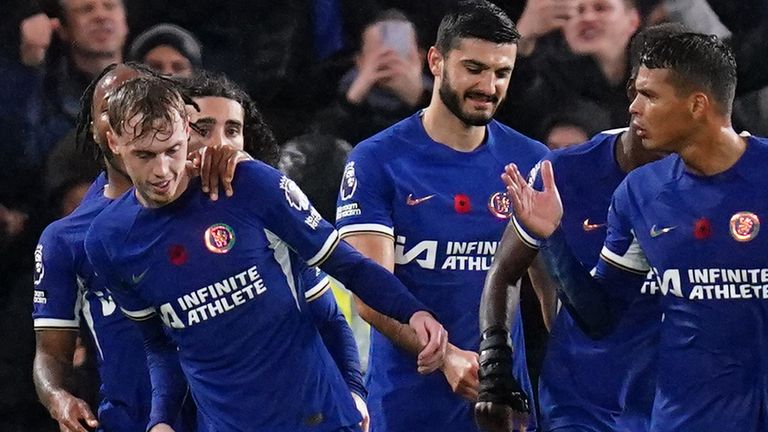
(216,167)
(545,290)
(501,398)
(340,342)
(459,366)
(53,375)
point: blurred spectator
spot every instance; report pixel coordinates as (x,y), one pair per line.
(387,83)
(168,49)
(316,164)
(562,129)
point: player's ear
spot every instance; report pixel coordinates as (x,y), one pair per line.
(699,105)
(435,61)
(112,140)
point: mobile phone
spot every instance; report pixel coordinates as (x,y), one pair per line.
(399,36)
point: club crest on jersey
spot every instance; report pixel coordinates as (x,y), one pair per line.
(219,238)
(348,181)
(744,226)
(294,195)
(500,205)
(39,269)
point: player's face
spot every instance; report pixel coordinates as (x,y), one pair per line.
(660,115)
(95,27)
(473,79)
(166,60)
(155,161)
(599,27)
(219,121)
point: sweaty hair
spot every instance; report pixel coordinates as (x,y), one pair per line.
(258,140)
(475,19)
(696,62)
(157,100)
(83,135)
(642,39)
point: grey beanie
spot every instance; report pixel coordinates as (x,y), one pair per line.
(167,34)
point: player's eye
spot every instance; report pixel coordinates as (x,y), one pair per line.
(233,131)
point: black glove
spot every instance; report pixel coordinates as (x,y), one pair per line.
(497,384)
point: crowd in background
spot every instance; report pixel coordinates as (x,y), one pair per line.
(325,73)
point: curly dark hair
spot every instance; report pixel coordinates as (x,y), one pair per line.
(258,139)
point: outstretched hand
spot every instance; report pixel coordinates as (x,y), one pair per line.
(539,212)
(433,337)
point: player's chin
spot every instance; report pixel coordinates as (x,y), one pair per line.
(478,118)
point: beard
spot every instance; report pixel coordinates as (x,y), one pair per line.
(453,101)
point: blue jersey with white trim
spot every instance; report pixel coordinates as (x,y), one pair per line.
(224,276)
(446,211)
(573,392)
(700,238)
(65,287)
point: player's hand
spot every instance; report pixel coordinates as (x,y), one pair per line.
(161,427)
(36,33)
(460,369)
(362,407)
(496,417)
(216,164)
(539,212)
(433,337)
(71,413)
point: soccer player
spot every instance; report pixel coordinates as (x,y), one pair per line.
(573,393)
(221,276)
(226,117)
(693,221)
(422,198)
(65,288)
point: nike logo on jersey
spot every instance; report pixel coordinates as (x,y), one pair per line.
(655,232)
(137,279)
(590,226)
(411,201)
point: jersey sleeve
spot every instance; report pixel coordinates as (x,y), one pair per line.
(364,204)
(57,301)
(285,211)
(316,283)
(130,303)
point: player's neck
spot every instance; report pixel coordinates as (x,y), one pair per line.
(445,128)
(118,183)
(713,150)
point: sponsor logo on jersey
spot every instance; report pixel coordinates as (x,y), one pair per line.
(709,283)
(500,205)
(459,255)
(348,210)
(219,238)
(587,226)
(744,226)
(39,268)
(348,181)
(294,195)
(411,201)
(213,300)
(656,231)
(40,297)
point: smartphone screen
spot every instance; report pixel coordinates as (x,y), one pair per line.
(399,36)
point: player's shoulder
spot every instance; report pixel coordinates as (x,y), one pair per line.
(112,218)
(507,139)
(392,140)
(645,182)
(598,150)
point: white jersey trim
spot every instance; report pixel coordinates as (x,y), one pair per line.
(633,260)
(140,315)
(41,323)
(524,236)
(366,228)
(283,257)
(318,290)
(325,251)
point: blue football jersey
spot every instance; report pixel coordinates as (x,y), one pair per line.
(446,211)
(224,277)
(617,395)
(65,289)
(700,237)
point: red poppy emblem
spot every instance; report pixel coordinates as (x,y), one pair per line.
(702,229)
(178,255)
(461,203)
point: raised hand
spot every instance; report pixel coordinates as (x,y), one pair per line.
(216,164)
(539,212)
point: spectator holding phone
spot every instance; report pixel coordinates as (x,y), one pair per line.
(386,84)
